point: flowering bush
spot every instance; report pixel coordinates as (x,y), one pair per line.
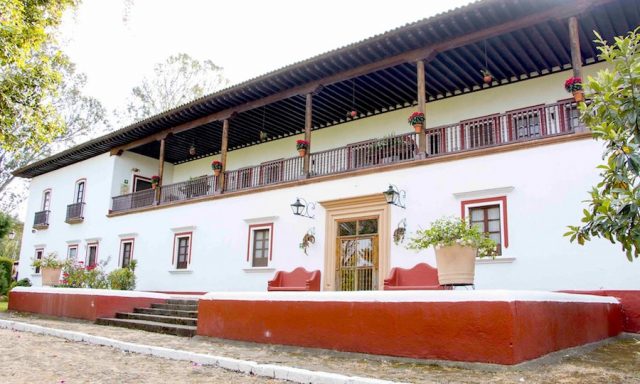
(123,278)
(451,231)
(155,179)
(573,84)
(302,144)
(416,118)
(216,165)
(76,275)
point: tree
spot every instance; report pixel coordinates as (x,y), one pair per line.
(178,80)
(28,71)
(6,224)
(614,116)
(81,116)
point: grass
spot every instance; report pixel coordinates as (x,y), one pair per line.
(3,305)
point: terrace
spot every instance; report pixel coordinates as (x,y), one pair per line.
(532,123)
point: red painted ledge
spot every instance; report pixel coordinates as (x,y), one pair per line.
(76,303)
(629,301)
(500,327)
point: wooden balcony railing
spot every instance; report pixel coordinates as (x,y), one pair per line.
(75,213)
(41,219)
(518,125)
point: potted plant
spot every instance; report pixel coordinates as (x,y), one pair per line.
(217,167)
(456,244)
(302,146)
(155,180)
(574,85)
(487,77)
(50,268)
(417,120)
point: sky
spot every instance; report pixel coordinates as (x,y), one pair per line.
(245,37)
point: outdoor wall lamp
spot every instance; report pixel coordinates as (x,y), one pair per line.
(303,208)
(12,235)
(395,196)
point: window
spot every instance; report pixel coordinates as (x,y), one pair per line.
(141,183)
(490,216)
(46,200)
(39,253)
(182,250)
(72,251)
(92,255)
(80,188)
(126,252)
(487,219)
(260,244)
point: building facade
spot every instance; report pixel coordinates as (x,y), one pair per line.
(512,155)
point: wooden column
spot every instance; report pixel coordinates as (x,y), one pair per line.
(223,153)
(160,170)
(307,133)
(574,41)
(422,93)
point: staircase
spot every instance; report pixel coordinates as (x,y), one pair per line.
(175,317)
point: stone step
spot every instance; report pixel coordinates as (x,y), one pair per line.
(167,312)
(150,326)
(158,318)
(176,307)
(182,301)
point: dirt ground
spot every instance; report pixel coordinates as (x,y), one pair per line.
(31,358)
(615,362)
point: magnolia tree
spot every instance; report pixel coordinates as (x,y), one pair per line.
(613,115)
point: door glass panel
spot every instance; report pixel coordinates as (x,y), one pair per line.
(494,213)
(365,253)
(494,226)
(367,226)
(347,228)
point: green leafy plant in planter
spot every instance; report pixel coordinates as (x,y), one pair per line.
(457,244)
(50,267)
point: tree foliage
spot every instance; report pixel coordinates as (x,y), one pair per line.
(81,116)
(613,117)
(178,80)
(28,71)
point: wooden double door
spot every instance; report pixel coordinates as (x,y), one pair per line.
(357,256)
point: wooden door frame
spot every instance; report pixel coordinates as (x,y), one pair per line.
(353,208)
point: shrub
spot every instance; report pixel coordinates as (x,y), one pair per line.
(4,284)
(76,275)
(6,265)
(123,278)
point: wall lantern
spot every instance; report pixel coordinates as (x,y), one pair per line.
(12,235)
(395,196)
(303,208)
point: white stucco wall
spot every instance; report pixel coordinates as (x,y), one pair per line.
(544,187)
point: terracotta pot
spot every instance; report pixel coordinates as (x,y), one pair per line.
(302,152)
(456,264)
(487,79)
(216,172)
(578,96)
(153,186)
(417,127)
(51,276)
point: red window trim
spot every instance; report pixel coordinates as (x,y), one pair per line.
(50,199)
(36,257)
(84,192)
(498,199)
(131,240)
(135,178)
(86,256)
(76,246)
(173,251)
(256,226)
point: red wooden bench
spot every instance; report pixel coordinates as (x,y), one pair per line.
(297,280)
(421,276)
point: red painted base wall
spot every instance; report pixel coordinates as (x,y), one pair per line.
(488,332)
(630,302)
(77,306)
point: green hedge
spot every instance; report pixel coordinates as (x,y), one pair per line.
(6,264)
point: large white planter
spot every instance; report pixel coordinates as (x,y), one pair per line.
(456,264)
(51,276)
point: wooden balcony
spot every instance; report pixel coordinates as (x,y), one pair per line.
(41,220)
(520,125)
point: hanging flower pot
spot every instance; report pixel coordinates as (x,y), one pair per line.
(302,146)
(486,76)
(217,167)
(417,120)
(573,85)
(155,180)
